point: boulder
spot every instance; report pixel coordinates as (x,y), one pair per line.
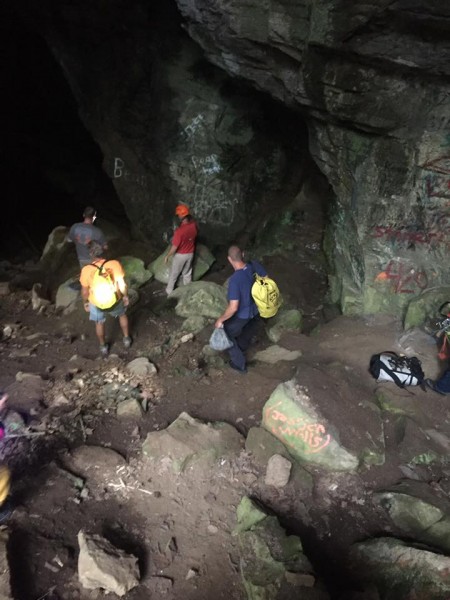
(418,513)
(271,561)
(141,366)
(284,320)
(278,471)
(203,259)
(102,566)
(188,441)
(95,463)
(274,354)
(66,297)
(400,570)
(290,415)
(130,408)
(135,272)
(200,298)
(425,307)
(194,324)
(38,300)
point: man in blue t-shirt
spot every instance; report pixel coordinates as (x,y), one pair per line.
(241,316)
(85,232)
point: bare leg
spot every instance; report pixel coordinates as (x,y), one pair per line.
(123,322)
(100,332)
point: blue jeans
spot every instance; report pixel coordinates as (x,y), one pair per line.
(443,383)
(240,332)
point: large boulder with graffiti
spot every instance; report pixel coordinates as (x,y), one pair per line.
(313,423)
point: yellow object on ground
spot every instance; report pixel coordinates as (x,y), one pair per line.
(5,483)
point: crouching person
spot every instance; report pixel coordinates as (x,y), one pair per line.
(104,292)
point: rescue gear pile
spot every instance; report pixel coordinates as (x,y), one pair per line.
(402,370)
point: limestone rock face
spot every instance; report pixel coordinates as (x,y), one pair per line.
(378,122)
(101,565)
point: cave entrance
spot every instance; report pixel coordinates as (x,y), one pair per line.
(50,166)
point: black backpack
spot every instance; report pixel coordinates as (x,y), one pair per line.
(402,370)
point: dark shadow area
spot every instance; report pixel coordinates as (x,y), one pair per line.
(50,166)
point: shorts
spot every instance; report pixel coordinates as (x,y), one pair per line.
(98,315)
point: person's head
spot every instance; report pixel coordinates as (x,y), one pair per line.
(235,257)
(95,249)
(90,213)
(182,211)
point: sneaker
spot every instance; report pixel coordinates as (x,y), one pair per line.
(236,368)
(127,341)
(432,385)
(104,350)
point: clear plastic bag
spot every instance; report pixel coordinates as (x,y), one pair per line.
(219,339)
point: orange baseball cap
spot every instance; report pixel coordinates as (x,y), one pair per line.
(182,210)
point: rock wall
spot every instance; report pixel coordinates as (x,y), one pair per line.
(172,128)
(373,81)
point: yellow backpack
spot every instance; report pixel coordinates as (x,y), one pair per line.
(103,288)
(266,295)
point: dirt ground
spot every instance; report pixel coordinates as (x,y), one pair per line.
(180,527)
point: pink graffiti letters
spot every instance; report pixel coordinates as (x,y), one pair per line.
(312,434)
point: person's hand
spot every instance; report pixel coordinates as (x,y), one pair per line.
(218,324)
(3,400)
(126,300)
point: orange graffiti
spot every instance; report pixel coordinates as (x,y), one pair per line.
(312,434)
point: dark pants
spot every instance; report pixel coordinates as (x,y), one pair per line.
(443,384)
(240,332)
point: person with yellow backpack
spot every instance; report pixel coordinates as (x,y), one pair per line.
(104,292)
(251,295)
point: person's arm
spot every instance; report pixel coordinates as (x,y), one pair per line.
(171,252)
(85,296)
(231,309)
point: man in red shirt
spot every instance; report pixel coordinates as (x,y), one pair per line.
(182,249)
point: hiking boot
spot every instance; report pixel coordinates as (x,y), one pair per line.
(432,385)
(104,350)
(127,341)
(236,368)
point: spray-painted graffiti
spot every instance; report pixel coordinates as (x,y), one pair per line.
(193,126)
(438,235)
(209,165)
(119,171)
(215,205)
(291,430)
(404,278)
(436,178)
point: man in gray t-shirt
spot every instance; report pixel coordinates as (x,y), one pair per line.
(83,233)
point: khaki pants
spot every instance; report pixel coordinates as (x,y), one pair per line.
(181,265)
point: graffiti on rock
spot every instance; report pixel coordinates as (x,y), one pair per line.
(193,126)
(214,205)
(438,234)
(119,171)
(294,429)
(209,165)
(404,278)
(436,179)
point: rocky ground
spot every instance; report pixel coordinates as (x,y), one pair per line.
(89,458)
